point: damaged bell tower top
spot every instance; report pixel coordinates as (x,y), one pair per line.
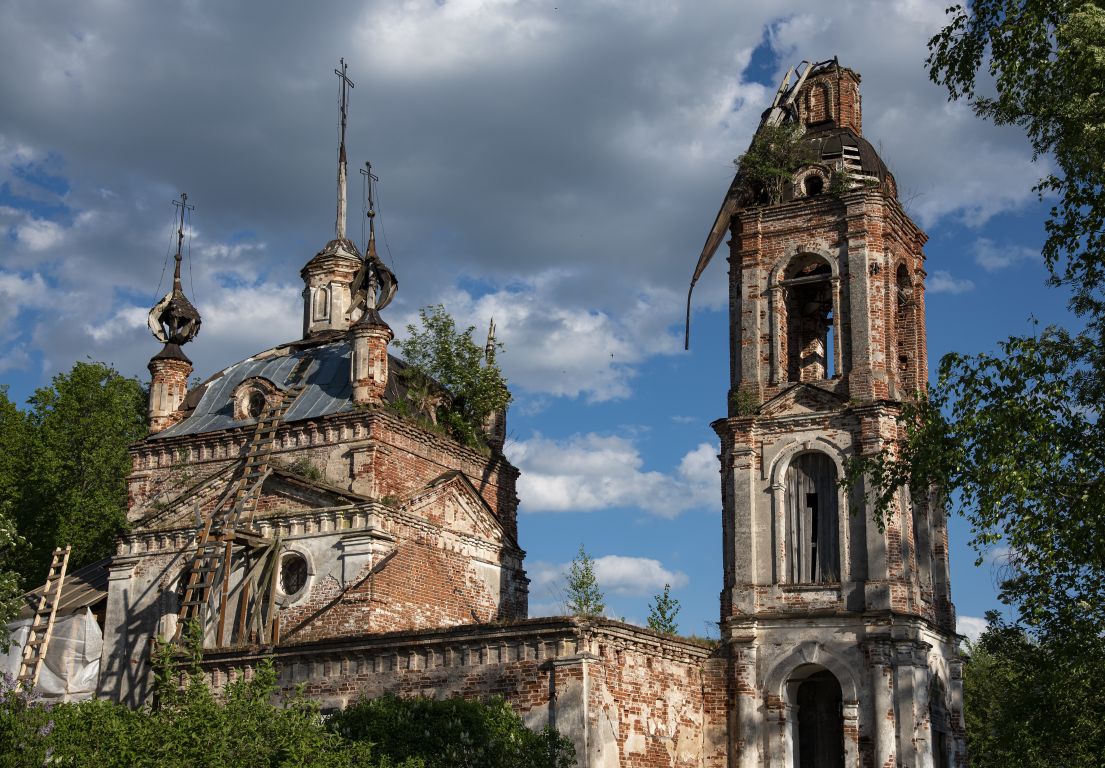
(841,632)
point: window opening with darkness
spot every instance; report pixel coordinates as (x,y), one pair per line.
(903,325)
(812,520)
(293,574)
(809,318)
(820,722)
(255,405)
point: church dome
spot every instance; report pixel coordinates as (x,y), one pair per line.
(322,364)
(832,144)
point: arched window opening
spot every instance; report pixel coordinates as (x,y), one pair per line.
(939,722)
(322,303)
(827,101)
(905,330)
(809,312)
(812,520)
(813,185)
(819,725)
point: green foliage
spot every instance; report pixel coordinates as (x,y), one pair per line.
(10,591)
(743,403)
(439,355)
(66,474)
(305,468)
(1034,703)
(1046,63)
(192,729)
(452,733)
(584,598)
(840,182)
(662,612)
(775,154)
(1017,435)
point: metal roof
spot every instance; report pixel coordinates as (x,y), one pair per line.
(329,389)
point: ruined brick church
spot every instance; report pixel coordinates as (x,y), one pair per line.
(292,510)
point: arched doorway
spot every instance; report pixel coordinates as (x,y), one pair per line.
(818,720)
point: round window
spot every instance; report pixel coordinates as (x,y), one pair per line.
(293,573)
(813,185)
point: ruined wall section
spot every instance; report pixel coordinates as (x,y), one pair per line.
(371,452)
(623,695)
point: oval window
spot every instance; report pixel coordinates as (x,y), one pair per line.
(293,574)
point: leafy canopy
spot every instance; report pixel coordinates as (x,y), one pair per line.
(64,464)
(772,158)
(437,353)
(1033,703)
(452,733)
(1017,434)
(584,598)
(662,612)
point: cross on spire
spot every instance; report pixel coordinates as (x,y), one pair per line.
(346,84)
(182,204)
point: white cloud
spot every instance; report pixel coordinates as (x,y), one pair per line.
(39,234)
(553,348)
(635,575)
(970,626)
(592,472)
(942,281)
(993,257)
(617,576)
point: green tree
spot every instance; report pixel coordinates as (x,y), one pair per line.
(73,485)
(1016,435)
(439,355)
(775,154)
(584,598)
(662,612)
(10,592)
(1030,703)
(452,733)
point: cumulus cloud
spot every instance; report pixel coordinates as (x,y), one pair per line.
(970,626)
(942,281)
(617,575)
(993,257)
(565,161)
(591,472)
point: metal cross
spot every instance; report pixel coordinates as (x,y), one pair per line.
(369,178)
(182,204)
(346,84)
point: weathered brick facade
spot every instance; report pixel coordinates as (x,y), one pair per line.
(397,564)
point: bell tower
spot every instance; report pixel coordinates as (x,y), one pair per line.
(840,633)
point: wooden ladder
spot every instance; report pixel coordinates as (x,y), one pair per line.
(42,626)
(211,559)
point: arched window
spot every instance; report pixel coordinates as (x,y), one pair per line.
(812,520)
(905,331)
(807,343)
(322,303)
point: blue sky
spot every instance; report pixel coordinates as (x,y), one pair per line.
(554,165)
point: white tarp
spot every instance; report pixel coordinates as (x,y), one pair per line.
(72,665)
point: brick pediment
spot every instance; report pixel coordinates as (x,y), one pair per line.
(801,399)
(452,503)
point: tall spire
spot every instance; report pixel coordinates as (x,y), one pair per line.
(173,320)
(346,85)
